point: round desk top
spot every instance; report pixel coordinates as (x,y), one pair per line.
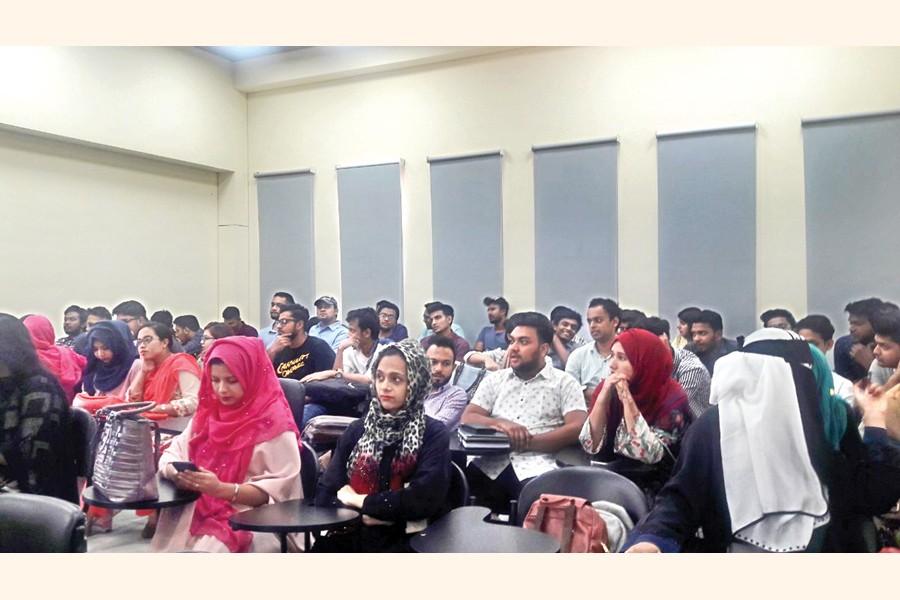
(292,516)
(169,496)
(464,529)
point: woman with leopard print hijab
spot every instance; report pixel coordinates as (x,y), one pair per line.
(393,464)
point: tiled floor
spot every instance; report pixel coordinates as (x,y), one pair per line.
(124,537)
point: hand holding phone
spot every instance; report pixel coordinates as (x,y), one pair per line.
(185,465)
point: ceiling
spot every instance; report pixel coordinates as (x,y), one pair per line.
(239,53)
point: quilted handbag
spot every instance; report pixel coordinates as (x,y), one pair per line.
(127,453)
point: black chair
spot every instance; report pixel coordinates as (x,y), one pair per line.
(309,471)
(458,494)
(295,392)
(84,427)
(32,523)
(590,483)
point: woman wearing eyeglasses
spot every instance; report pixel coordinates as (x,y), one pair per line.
(171,380)
(213,331)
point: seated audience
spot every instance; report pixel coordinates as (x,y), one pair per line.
(294,353)
(74,323)
(246,445)
(494,335)
(390,330)
(232,317)
(629,318)
(780,318)
(426,319)
(132,313)
(279,299)
(686,318)
(566,325)
(853,353)
(708,343)
(95,314)
(818,331)
(776,464)
(540,408)
(590,363)
(170,379)
(393,464)
(164,317)
(687,369)
(212,331)
(63,363)
(328,328)
(36,447)
(445,402)
(113,364)
(188,333)
(442,326)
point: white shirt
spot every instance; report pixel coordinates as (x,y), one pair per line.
(540,404)
(587,366)
(358,363)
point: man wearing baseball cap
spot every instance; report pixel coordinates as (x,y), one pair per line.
(328,328)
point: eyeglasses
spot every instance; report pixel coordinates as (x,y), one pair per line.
(387,316)
(146,341)
(206,338)
(283,322)
(126,320)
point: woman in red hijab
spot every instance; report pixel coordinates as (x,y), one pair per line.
(64,363)
(639,412)
(245,443)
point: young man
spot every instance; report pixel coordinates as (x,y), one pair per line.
(441,325)
(818,331)
(328,328)
(853,353)
(188,334)
(708,343)
(294,353)
(494,335)
(95,314)
(566,325)
(446,402)
(426,319)
(590,363)
(133,314)
(686,368)
(232,317)
(74,321)
(780,318)
(390,330)
(279,299)
(886,323)
(540,408)
(630,317)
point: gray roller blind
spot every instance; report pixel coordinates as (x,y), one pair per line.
(575,224)
(371,235)
(707,226)
(852,175)
(286,241)
(467,236)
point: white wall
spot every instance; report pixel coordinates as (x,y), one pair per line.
(516,99)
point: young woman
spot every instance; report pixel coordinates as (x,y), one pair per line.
(64,363)
(113,364)
(246,445)
(639,412)
(172,380)
(213,331)
(35,437)
(394,464)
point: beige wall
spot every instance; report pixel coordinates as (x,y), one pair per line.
(134,161)
(513,100)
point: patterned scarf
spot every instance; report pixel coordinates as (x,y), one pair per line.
(381,429)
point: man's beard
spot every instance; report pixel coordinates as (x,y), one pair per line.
(436,385)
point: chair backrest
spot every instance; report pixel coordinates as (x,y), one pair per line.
(590,483)
(458,494)
(32,523)
(467,377)
(83,429)
(295,392)
(309,471)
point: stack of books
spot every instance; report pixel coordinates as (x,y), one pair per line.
(479,437)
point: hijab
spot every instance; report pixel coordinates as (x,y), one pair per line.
(381,429)
(64,363)
(102,376)
(224,437)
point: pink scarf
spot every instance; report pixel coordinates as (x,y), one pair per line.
(65,364)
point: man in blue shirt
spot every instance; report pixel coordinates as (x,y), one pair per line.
(279,299)
(494,335)
(328,328)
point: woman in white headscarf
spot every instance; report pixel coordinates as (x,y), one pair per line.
(776,464)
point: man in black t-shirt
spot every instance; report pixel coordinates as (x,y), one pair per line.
(294,353)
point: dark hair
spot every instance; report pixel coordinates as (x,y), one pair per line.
(864,308)
(17,350)
(285,295)
(387,304)
(162,316)
(817,323)
(500,301)
(886,323)
(564,312)
(162,331)
(231,313)
(98,311)
(535,320)
(365,318)
(442,342)
(130,308)
(298,311)
(444,308)
(778,312)
(687,315)
(631,317)
(187,322)
(655,325)
(218,330)
(432,306)
(82,313)
(612,309)
(711,318)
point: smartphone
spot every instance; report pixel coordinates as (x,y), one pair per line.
(184,465)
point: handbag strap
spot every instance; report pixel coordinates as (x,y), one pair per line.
(568,528)
(127,409)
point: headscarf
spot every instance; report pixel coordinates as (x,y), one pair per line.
(161,382)
(224,436)
(656,394)
(775,497)
(102,376)
(834,410)
(381,429)
(64,363)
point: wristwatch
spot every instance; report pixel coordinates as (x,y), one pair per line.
(338,373)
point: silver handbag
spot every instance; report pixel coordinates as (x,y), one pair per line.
(127,453)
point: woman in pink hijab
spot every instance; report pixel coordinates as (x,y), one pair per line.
(64,363)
